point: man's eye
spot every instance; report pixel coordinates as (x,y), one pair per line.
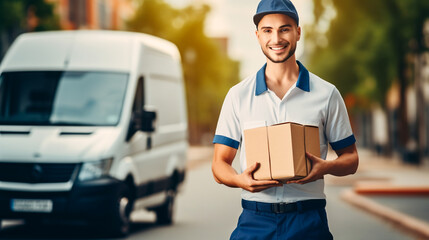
(285,30)
(267,31)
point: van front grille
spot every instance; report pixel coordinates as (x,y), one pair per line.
(36,172)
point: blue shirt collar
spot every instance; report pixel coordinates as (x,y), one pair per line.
(303,79)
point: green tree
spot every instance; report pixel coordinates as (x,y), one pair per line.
(14,15)
(208,71)
(367,47)
(368,42)
(44,12)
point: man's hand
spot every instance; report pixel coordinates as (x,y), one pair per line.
(246,181)
(346,163)
(319,168)
(225,174)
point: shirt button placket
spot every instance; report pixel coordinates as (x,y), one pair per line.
(281,118)
(282,112)
(279,194)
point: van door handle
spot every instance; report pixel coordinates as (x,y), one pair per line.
(149,142)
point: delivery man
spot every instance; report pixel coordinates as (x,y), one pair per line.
(283,90)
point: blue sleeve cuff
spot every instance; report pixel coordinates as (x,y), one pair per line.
(226,141)
(343,143)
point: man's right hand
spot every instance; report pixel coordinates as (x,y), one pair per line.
(246,181)
(225,174)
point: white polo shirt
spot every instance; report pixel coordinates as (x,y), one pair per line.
(311,101)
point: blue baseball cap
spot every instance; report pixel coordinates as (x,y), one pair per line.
(275,6)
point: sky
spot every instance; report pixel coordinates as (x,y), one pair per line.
(233,19)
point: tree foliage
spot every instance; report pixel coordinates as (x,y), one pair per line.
(208,71)
(367,43)
(14,13)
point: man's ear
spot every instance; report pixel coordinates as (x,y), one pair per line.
(298,29)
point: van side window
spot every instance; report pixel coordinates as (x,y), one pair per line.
(136,114)
(164,87)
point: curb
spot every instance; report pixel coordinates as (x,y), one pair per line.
(408,223)
(391,190)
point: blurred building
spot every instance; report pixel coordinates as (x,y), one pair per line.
(93,14)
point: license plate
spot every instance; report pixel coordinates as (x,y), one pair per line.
(31,205)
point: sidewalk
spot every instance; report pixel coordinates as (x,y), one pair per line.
(390,189)
(198,155)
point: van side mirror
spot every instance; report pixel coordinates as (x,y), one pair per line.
(148,121)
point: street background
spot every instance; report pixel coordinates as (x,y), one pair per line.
(375,52)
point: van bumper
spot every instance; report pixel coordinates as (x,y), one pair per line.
(89,200)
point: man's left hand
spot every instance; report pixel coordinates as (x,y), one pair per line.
(319,169)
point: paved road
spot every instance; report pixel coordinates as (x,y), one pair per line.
(412,205)
(206,210)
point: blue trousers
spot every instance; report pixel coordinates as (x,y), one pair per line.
(299,225)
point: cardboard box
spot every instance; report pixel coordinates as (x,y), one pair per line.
(280,150)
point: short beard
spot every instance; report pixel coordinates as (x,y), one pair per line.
(291,52)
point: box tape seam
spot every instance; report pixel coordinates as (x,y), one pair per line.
(269,153)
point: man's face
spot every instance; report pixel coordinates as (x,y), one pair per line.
(278,34)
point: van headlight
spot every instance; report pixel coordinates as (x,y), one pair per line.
(94,170)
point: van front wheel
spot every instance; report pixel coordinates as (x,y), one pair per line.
(120,220)
(164,213)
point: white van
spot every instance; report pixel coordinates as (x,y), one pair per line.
(93,125)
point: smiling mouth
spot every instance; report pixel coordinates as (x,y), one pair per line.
(277,48)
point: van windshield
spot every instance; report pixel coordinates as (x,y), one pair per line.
(61,98)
